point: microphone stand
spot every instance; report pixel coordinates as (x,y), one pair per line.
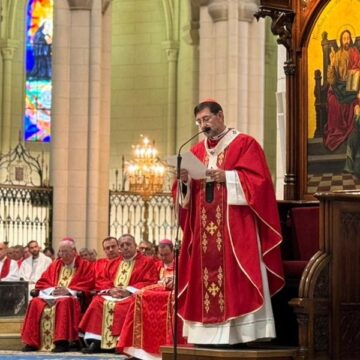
(177,243)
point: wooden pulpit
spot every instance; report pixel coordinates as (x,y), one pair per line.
(328,305)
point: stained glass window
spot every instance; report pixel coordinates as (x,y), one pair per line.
(38,85)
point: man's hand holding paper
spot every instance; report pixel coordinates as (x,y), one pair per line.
(195,168)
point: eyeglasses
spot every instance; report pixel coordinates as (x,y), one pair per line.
(204,119)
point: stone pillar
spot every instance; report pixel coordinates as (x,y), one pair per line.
(281,124)
(232,61)
(81,117)
(172,51)
(7,48)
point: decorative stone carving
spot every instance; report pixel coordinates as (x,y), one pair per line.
(7,53)
(80,4)
(171,49)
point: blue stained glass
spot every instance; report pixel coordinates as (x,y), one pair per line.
(38,68)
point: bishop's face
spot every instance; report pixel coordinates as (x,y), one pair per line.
(205,119)
(67,254)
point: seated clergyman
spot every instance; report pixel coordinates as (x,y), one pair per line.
(103,320)
(52,318)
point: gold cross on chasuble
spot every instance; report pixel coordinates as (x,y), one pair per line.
(66,274)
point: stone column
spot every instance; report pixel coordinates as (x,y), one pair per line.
(80,131)
(7,48)
(232,61)
(172,51)
(281,124)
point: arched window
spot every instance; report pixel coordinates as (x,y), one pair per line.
(38,59)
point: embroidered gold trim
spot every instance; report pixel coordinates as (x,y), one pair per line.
(221,301)
(108,341)
(220,277)
(220,158)
(207,302)
(47,328)
(218,215)
(124,273)
(138,328)
(66,275)
(203,217)
(206,277)
(204,242)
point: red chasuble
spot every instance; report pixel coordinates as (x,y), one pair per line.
(67,309)
(143,273)
(219,267)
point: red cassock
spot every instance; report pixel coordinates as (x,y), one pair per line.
(143,273)
(67,309)
(219,268)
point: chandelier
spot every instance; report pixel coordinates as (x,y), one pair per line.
(145,172)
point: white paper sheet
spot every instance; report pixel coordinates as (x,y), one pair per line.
(196,169)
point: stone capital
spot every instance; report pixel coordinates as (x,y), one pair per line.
(7,48)
(247,9)
(80,4)
(7,53)
(218,10)
(172,49)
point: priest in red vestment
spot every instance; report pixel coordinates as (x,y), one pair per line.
(103,320)
(149,321)
(166,264)
(230,262)
(52,319)
(112,251)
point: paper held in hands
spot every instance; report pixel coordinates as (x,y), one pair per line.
(196,169)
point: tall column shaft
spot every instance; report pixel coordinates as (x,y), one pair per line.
(7,52)
(232,62)
(172,51)
(80,132)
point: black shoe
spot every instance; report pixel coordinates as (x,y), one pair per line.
(94,347)
(61,346)
(28,348)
